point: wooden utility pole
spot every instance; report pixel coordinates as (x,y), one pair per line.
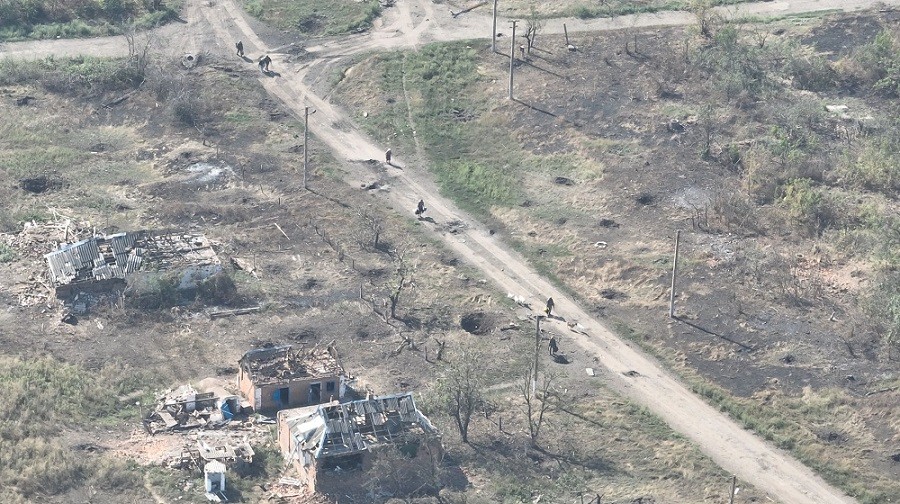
(674,274)
(537,351)
(733,484)
(494,30)
(512,58)
(566,32)
(305,144)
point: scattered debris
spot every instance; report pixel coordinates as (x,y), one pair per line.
(590,371)
(214,314)
(214,477)
(185,408)
(564,181)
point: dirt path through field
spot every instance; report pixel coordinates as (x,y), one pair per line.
(416,22)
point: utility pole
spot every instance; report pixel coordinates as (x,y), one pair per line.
(494,30)
(512,58)
(731,495)
(674,274)
(537,351)
(306,144)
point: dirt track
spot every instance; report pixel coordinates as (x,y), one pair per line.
(415,22)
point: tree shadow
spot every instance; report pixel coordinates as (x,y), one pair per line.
(712,333)
(590,463)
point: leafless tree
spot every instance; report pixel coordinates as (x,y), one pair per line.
(373,226)
(532,27)
(538,402)
(460,391)
(402,278)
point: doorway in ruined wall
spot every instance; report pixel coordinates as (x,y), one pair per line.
(315,393)
(282,396)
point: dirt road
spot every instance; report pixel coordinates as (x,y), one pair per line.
(415,22)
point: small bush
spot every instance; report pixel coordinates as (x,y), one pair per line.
(7,253)
(812,73)
(807,205)
(879,63)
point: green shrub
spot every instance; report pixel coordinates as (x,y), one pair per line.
(807,205)
(879,63)
(7,253)
(877,167)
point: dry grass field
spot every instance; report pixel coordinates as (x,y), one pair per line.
(205,149)
(772,147)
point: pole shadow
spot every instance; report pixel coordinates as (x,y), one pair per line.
(536,109)
(712,333)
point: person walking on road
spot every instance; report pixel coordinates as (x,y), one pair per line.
(549,308)
(420,209)
(387,156)
(553,346)
(240,48)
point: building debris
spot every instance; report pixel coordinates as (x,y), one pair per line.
(333,445)
(106,262)
(185,408)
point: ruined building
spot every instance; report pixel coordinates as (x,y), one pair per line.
(383,444)
(104,265)
(280,377)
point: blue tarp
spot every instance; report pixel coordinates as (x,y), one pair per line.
(226,411)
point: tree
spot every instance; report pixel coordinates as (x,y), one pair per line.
(532,27)
(537,402)
(402,278)
(460,392)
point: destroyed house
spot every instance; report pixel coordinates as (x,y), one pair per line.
(107,262)
(280,377)
(334,446)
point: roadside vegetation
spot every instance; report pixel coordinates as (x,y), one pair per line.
(604,8)
(739,111)
(316,17)
(42,19)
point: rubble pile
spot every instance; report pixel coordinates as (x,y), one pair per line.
(185,408)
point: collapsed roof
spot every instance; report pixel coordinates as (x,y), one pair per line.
(120,255)
(339,429)
(283,363)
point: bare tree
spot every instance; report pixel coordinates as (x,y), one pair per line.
(402,277)
(532,27)
(373,225)
(538,402)
(460,391)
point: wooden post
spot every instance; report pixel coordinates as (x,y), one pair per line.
(512,58)
(537,351)
(305,144)
(566,32)
(494,30)
(733,484)
(674,274)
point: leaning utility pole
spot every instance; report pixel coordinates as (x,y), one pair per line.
(512,59)
(305,145)
(674,274)
(494,30)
